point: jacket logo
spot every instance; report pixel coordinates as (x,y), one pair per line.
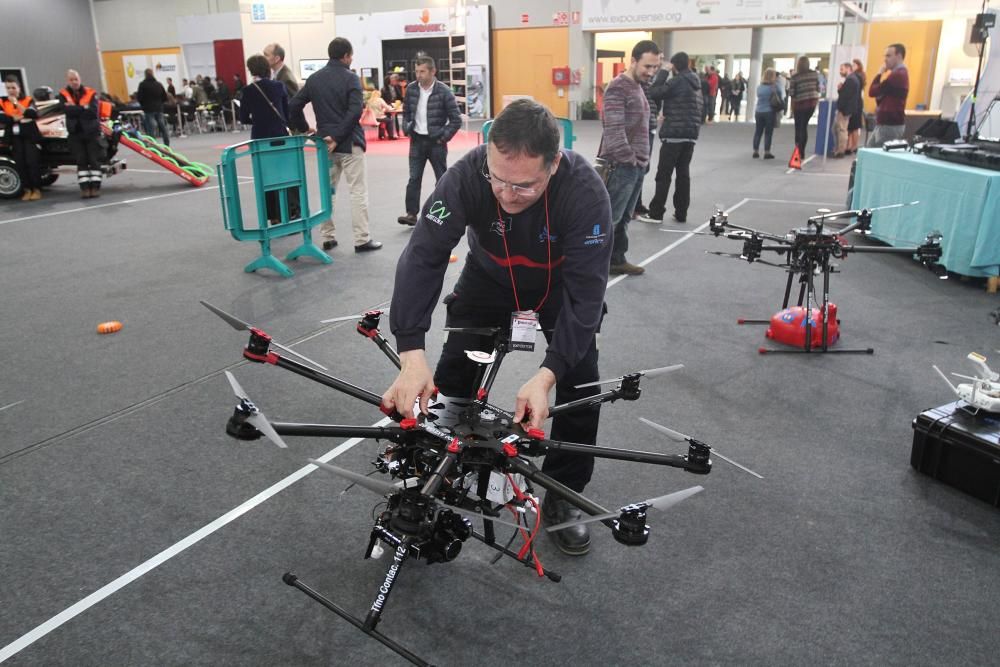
(596,237)
(501,227)
(438,212)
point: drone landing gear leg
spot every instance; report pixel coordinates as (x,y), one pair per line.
(295,582)
(784,302)
(527,561)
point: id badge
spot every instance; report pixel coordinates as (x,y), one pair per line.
(523,327)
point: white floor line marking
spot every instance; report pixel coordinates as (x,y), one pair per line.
(11,405)
(113,203)
(106,591)
(804,163)
(97,596)
(689,235)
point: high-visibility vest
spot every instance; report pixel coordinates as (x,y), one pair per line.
(10,109)
(85,98)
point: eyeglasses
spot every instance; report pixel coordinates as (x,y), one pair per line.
(518,190)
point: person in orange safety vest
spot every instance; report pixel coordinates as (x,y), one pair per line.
(81,105)
(18,120)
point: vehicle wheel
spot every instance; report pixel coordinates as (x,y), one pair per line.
(49,178)
(10,181)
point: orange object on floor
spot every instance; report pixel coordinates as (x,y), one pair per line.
(796,160)
(109,327)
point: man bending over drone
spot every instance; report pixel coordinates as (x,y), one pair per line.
(538,222)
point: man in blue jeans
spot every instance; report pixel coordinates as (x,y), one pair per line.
(152,96)
(625,144)
(430,119)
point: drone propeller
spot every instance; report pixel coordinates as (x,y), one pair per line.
(346,318)
(680,437)
(480,515)
(651,373)
(374,485)
(256,418)
(660,503)
(974,379)
(240,325)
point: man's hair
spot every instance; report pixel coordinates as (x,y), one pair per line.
(257,64)
(10,78)
(525,127)
(278,51)
(900,50)
(845,65)
(680,61)
(644,46)
(428,61)
(339,48)
(148,73)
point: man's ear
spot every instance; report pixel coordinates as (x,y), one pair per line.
(555,162)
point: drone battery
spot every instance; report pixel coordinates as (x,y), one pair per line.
(960,449)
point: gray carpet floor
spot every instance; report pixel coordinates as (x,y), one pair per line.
(113,455)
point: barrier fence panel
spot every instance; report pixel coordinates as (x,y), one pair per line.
(279,175)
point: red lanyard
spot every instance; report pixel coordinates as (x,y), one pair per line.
(548,244)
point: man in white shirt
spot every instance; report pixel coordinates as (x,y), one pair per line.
(430,119)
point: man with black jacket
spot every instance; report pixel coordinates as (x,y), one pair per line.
(683,108)
(335,93)
(430,119)
(152,96)
(83,124)
(848,102)
(538,225)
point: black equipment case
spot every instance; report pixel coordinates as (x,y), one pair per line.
(960,449)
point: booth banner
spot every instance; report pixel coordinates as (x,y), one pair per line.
(164,66)
(286,11)
(655,14)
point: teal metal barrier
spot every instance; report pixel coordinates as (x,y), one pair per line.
(278,166)
(567,132)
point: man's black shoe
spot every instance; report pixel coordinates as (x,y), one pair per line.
(329,244)
(575,540)
(370,245)
(641,210)
(408,219)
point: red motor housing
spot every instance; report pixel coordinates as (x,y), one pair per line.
(788,327)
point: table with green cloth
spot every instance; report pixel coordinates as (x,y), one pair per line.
(961,202)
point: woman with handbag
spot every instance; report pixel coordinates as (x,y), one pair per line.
(770,101)
(265,108)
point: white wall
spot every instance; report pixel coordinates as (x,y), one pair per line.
(722,41)
(301,41)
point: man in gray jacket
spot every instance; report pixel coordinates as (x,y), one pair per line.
(335,93)
(682,112)
(430,119)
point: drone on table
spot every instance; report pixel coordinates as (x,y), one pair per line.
(808,252)
(444,476)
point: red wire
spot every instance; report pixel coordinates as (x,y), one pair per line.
(548,245)
(529,539)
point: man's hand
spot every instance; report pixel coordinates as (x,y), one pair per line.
(331,146)
(414,379)
(533,398)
